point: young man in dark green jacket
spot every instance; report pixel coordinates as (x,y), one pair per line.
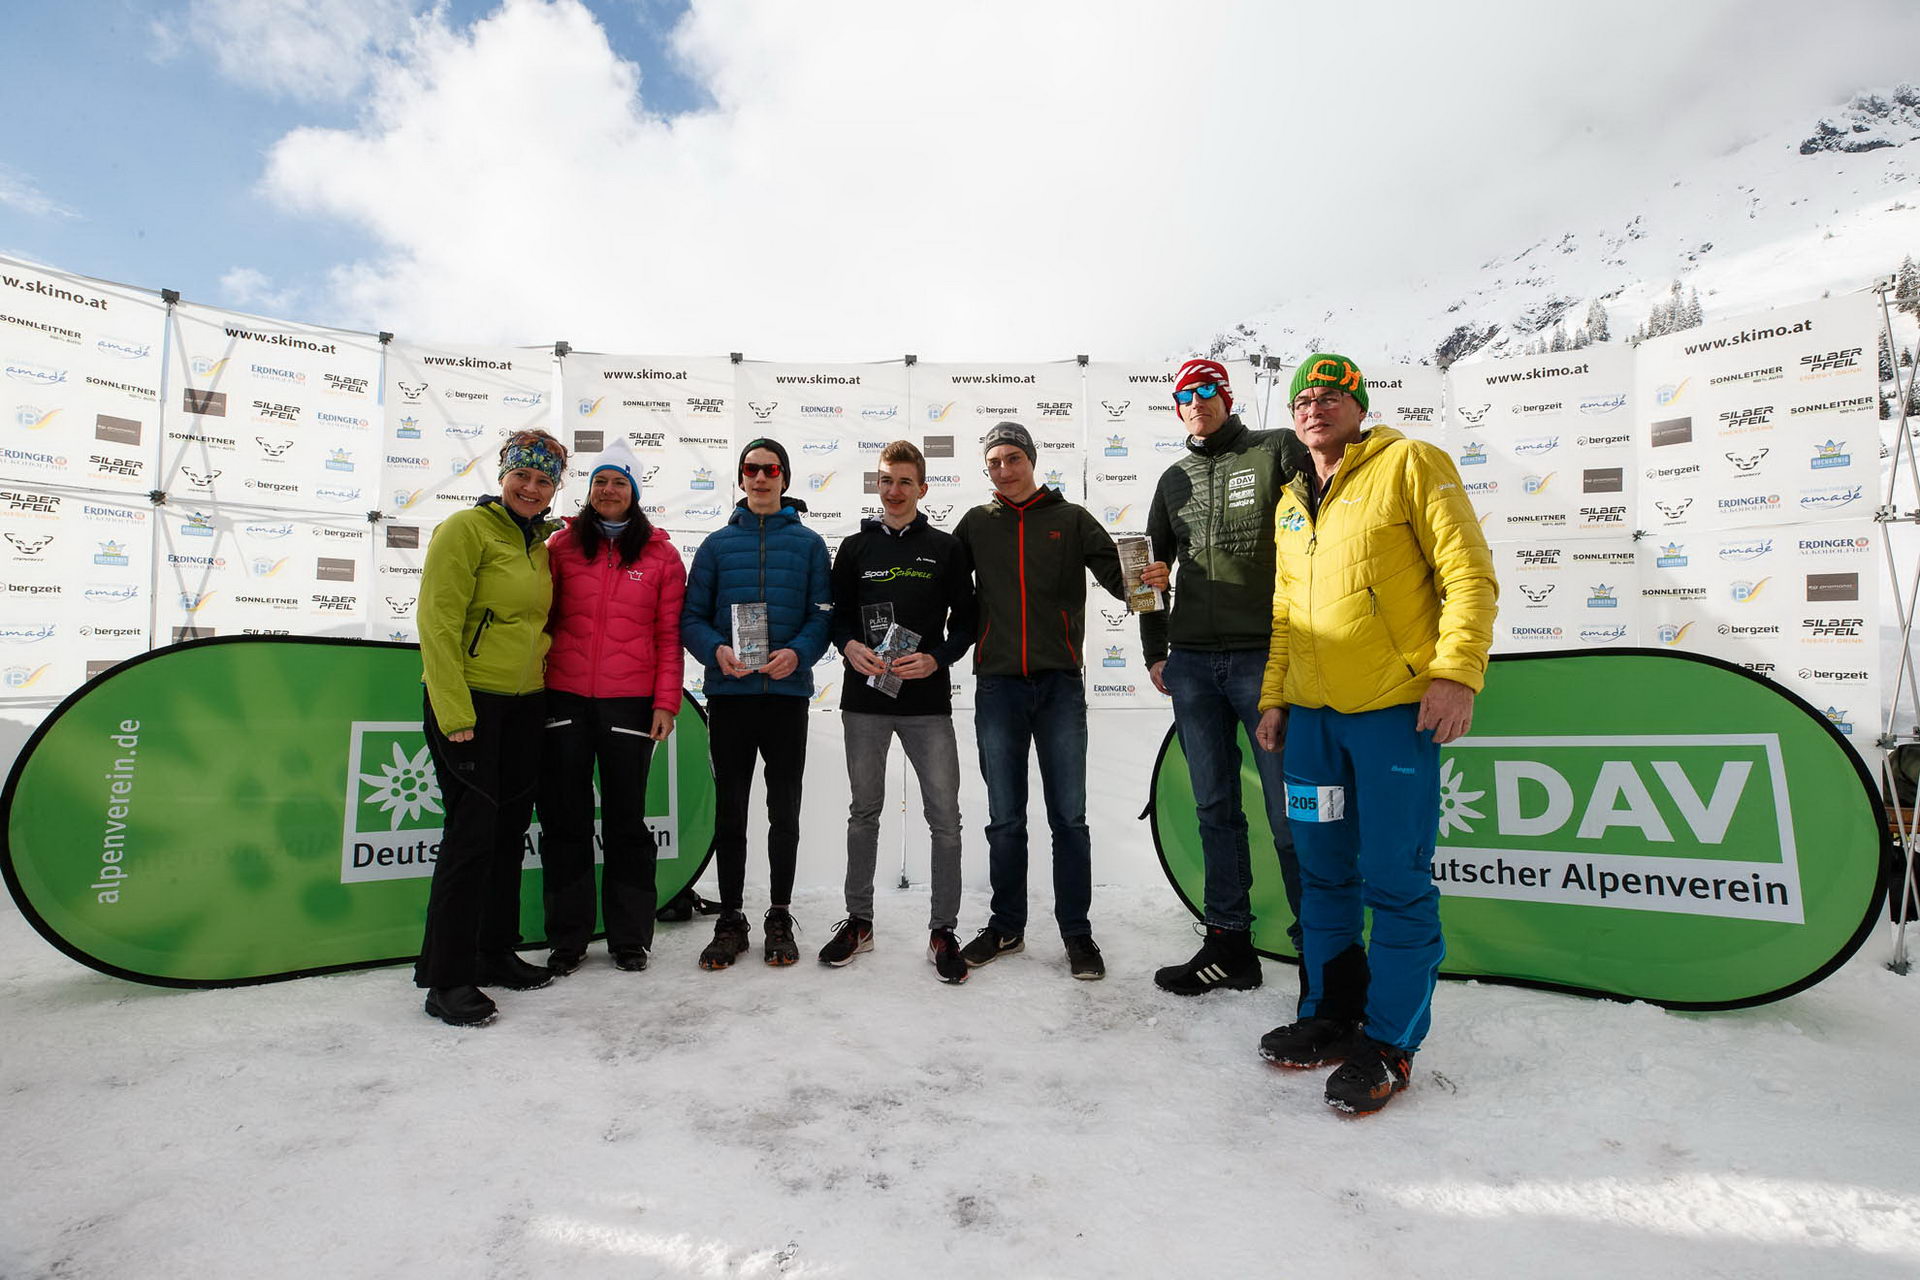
(1031,550)
(1212,514)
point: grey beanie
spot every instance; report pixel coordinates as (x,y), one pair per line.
(1014,434)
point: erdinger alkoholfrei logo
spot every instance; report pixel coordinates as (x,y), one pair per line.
(1692,824)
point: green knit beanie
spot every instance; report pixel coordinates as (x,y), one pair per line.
(1324,369)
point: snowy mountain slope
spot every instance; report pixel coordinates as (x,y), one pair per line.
(1830,204)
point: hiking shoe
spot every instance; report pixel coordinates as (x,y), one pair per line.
(1083,958)
(781,948)
(510,971)
(729,941)
(632,959)
(1225,960)
(1369,1078)
(943,953)
(1312,1042)
(460,1006)
(989,945)
(564,961)
(850,937)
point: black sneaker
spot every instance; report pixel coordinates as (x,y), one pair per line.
(943,953)
(989,945)
(460,1006)
(782,950)
(564,961)
(850,937)
(1226,960)
(632,959)
(729,941)
(1368,1079)
(1083,958)
(1312,1042)
(513,973)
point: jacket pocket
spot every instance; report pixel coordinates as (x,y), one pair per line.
(1393,641)
(479,632)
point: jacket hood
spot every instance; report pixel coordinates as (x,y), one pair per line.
(790,509)
(878,524)
(1046,497)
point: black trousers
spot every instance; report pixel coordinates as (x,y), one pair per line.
(612,732)
(741,727)
(486,787)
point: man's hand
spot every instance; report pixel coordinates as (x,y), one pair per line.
(662,724)
(723,657)
(1157,576)
(781,664)
(863,659)
(915,666)
(1271,732)
(1154,672)
(1447,709)
(460,735)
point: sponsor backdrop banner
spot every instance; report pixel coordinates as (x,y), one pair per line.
(78,570)
(675,413)
(1587,842)
(833,420)
(237,811)
(80,370)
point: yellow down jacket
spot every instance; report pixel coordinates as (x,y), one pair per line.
(1391,588)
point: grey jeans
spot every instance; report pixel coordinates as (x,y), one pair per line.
(935,757)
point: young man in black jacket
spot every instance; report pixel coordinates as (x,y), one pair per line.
(1031,550)
(900,573)
(1212,513)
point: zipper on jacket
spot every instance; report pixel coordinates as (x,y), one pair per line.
(1023,590)
(486,620)
(766,681)
(1373,603)
(1066,634)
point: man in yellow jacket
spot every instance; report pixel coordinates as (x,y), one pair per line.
(1383,608)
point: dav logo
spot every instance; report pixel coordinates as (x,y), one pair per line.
(1116,447)
(1745,592)
(702,478)
(1828,454)
(1602,597)
(1116,657)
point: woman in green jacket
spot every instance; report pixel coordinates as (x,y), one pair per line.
(484,595)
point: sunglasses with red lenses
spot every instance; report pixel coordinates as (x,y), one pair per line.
(771,470)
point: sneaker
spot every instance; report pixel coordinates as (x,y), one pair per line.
(632,959)
(1083,957)
(850,937)
(943,953)
(1226,960)
(989,945)
(564,961)
(781,948)
(460,1006)
(1367,1081)
(1312,1042)
(729,941)
(510,971)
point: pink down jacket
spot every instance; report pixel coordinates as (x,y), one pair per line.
(616,631)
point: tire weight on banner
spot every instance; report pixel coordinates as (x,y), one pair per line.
(248,809)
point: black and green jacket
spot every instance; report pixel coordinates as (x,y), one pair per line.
(1213,510)
(1030,566)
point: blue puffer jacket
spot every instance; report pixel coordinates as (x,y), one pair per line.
(772,558)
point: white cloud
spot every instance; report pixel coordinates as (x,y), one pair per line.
(1022,179)
(314,50)
(17,191)
(250,289)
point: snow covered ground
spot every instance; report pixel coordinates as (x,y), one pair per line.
(872,1122)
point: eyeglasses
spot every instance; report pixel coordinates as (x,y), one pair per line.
(1206,391)
(1327,398)
(771,470)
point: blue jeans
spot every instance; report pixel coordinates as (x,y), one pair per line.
(1049,713)
(1213,695)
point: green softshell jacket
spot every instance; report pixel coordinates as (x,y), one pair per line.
(484,595)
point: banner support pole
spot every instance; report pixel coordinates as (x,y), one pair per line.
(1907,821)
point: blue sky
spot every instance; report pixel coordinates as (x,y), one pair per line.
(857,178)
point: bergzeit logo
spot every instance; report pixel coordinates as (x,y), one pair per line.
(1690,824)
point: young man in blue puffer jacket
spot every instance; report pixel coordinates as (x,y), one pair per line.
(764,554)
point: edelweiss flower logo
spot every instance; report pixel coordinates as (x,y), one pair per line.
(404,789)
(1456,802)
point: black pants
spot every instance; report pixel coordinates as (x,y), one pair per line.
(613,732)
(772,726)
(486,787)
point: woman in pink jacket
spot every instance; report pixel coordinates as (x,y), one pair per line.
(613,689)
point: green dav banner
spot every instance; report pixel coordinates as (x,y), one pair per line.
(1654,825)
(238,810)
